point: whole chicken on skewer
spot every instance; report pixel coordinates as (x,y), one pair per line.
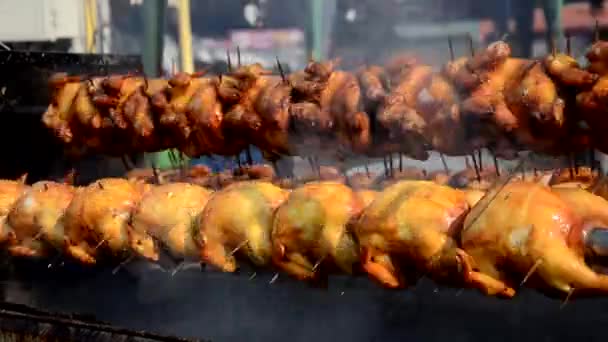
(409,230)
(310,230)
(166,217)
(526,233)
(10,192)
(590,240)
(34,219)
(96,223)
(237,220)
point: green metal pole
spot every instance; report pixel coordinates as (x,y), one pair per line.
(152,58)
(154,25)
(317,29)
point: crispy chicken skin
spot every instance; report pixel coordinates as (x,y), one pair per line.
(598,58)
(411,224)
(59,114)
(237,220)
(34,219)
(10,192)
(310,230)
(373,81)
(97,220)
(533,100)
(523,233)
(341,99)
(167,215)
(566,70)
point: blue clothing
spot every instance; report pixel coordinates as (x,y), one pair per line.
(219,163)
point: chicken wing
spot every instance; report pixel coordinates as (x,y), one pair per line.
(238,220)
(96,222)
(166,217)
(34,219)
(412,225)
(310,230)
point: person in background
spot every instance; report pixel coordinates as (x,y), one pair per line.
(522,12)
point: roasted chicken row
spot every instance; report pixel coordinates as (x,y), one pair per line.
(549,237)
(490,100)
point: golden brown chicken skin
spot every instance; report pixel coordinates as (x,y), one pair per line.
(237,220)
(10,192)
(60,113)
(522,233)
(590,239)
(598,58)
(34,219)
(310,230)
(533,99)
(96,223)
(412,225)
(166,217)
(566,70)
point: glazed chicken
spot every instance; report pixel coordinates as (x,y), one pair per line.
(598,58)
(590,240)
(34,219)
(526,233)
(566,70)
(310,231)
(592,105)
(397,120)
(237,220)
(59,115)
(10,192)
(411,227)
(96,223)
(166,217)
(341,100)
(532,98)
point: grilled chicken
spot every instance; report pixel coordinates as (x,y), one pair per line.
(34,219)
(566,70)
(237,220)
(167,217)
(412,226)
(59,115)
(10,192)
(96,223)
(525,232)
(310,230)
